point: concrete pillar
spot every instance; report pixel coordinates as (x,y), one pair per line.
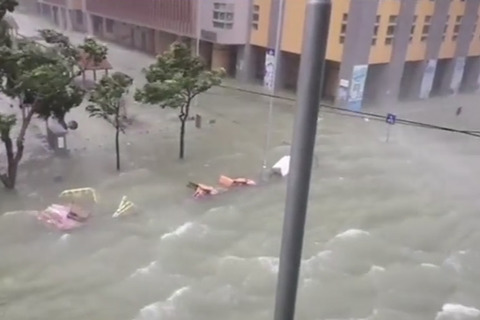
(221,57)
(163,40)
(61,18)
(356,52)
(67,18)
(471,75)
(390,78)
(245,66)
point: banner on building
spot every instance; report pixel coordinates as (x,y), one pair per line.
(457,74)
(357,87)
(269,77)
(427,80)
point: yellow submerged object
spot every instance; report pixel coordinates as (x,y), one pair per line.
(80,192)
(124,207)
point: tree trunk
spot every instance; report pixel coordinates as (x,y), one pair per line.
(9,179)
(117,147)
(117,136)
(183,120)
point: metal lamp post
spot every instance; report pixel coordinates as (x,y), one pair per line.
(312,69)
(273,77)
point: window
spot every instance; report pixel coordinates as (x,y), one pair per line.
(377,19)
(392,19)
(374,41)
(456,28)
(345,17)
(223,15)
(388,41)
(342,39)
(390,30)
(109,25)
(343,29)
(423,38)
(426,29)
(454,37)
(255,17)
(459,19)
(427,19)
(412,30)
(375,30)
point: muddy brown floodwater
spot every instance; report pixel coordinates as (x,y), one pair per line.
(392,230)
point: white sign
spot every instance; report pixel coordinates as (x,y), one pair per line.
(269,77)
(344,83)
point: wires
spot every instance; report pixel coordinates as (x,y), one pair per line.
(372,116)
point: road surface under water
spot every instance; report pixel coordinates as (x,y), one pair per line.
(392,230)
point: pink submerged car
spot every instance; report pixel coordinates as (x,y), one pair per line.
(63,217)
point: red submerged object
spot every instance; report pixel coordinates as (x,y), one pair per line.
(63,217)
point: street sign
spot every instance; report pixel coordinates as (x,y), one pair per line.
(391,118)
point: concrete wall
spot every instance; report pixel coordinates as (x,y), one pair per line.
(176,16)
(239,34)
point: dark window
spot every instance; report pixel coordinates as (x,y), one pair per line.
(390,30)
(374,41)
(342,39)
(412,30)
(425,29)
(343,29)
(456,29)
(388,41)
(109,25)
(345,17)
(375,30)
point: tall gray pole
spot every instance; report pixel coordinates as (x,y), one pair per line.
(198,32)
(312,65)
(277,52)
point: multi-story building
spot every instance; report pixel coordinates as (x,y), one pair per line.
(378,50)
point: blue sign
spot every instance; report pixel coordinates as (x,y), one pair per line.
(391,118)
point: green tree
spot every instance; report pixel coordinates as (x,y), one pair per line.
(39,78)
(174,80)
(106,101)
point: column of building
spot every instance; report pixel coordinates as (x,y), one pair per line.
(390,79)
(356,51)
(454,68)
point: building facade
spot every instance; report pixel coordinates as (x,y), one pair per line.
(378,50)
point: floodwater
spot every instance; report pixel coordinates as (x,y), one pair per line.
(392,229)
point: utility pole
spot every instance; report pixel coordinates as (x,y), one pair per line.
(310,83)
(273,86)
(198,33)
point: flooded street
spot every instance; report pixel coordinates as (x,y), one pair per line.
(392,229)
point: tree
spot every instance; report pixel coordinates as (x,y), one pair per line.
(39,78)
(174,80)
(106,104)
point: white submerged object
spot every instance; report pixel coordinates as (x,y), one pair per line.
(282,166)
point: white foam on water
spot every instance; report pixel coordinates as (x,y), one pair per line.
(144,270)
(454,263)
(429,265)
(183,229)
(269,263)
(158,310)
(376,269)
(28,212)
(453,311)
(64,237)
(351,234)
(178,293)
(150,312)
